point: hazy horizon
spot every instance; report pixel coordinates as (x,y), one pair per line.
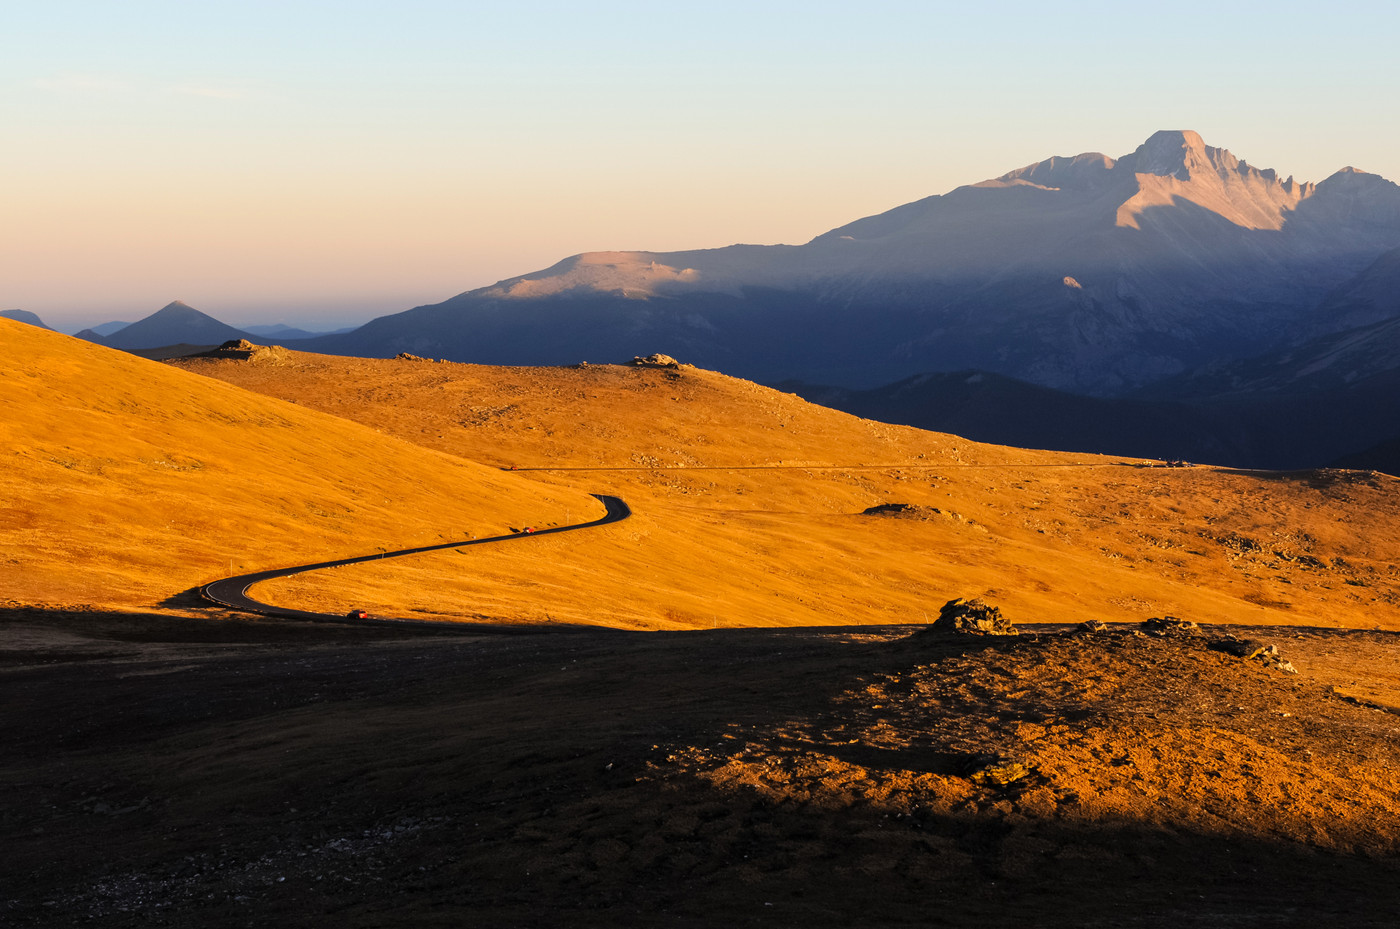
(320,164)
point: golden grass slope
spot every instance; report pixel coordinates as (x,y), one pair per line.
(125,482)
(749,511)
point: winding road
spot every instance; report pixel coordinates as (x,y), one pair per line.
(232,592)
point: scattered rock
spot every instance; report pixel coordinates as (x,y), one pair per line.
(405,356)
(1254,650)
(903,510)
(1091,625)
(655,361)
(1162,626)
(969,617)
(922,513)
(1244,648)
(995,771)
(243,350)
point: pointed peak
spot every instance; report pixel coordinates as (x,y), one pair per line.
(1175,140)
(1350,173)
(1355,179)
(1363,187)
(1177,153)
(176,306)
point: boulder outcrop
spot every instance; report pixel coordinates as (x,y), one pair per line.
(969,617)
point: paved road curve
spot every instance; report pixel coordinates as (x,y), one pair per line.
(232,592)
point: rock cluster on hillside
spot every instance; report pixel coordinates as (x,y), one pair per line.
(244,350)
(1254,650)
(1164,626)
(656,360)
(969,617)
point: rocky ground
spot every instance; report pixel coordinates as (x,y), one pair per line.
(162,771)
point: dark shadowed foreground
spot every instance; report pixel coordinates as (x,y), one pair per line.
(234,772)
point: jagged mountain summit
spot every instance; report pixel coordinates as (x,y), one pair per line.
(1088,273)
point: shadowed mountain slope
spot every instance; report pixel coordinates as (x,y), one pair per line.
(1302,408)
(1383,456)
(992,408)
(1372,296)
(1323,400)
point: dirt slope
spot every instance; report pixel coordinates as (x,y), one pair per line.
(718,542)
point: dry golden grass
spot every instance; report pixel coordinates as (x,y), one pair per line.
(717,541)
(126,482)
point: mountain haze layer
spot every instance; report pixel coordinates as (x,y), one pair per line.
(1088,273)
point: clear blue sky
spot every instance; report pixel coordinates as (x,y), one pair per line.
(332,161)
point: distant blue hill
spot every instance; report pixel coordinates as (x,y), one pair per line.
(176,323)
(24,316)
(106,329)
(285,333)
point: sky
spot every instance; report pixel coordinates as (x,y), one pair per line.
(323,163)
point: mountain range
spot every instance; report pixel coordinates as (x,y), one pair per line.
(1088,273)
